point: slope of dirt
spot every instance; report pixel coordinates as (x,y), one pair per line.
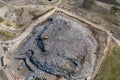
(62,47)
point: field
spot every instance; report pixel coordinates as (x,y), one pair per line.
(110,69)
(2,75)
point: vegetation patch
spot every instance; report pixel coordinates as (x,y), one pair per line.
(11,24)
(115,11)
(1,20)
(2,75)
(110,68)
(113,2)
(4,35)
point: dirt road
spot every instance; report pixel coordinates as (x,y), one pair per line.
(40,20)
(89,23)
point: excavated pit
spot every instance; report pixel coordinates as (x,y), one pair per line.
(62,46)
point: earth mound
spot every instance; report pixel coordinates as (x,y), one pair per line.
(60,47)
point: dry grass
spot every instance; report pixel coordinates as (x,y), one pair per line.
(2,75)
(110,69)
(11,24)
(4,35)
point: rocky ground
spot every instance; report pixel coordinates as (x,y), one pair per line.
(55,39)
(62,46)
(64,52)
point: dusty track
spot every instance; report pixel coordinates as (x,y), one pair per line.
(89,23)
(47,15)
(70,14)
(101,59)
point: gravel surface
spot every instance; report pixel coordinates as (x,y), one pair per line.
(60,47)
